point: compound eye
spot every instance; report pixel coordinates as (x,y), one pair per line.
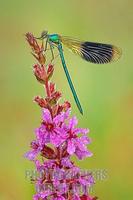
(44,34)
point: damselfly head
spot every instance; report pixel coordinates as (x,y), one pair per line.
(44,34)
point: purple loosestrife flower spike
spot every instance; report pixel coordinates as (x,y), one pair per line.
(57,139)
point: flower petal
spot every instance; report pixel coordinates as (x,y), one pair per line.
(66,162)
(72,123)
(59,198)
(80,145)
(85,139)
(31,154)
(81,130)
(47,115)
(83,154)
(38,164)
(61,117)
(56,140)
(71,147)
(42,135)
(88,180)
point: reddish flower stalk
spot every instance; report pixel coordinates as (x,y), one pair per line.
(60,179)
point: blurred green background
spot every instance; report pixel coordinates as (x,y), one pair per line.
(106,91)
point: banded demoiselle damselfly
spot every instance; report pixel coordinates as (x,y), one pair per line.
(97,53)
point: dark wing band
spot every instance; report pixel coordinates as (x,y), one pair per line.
(99,53)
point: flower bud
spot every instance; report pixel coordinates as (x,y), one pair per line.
(52,87)
(32,42)
(40,101)
(66,105)
(39,72)
(50,71)
(48,153)
(38,51)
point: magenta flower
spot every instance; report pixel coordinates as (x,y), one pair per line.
(51,129)
(57,139)
(77,144)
